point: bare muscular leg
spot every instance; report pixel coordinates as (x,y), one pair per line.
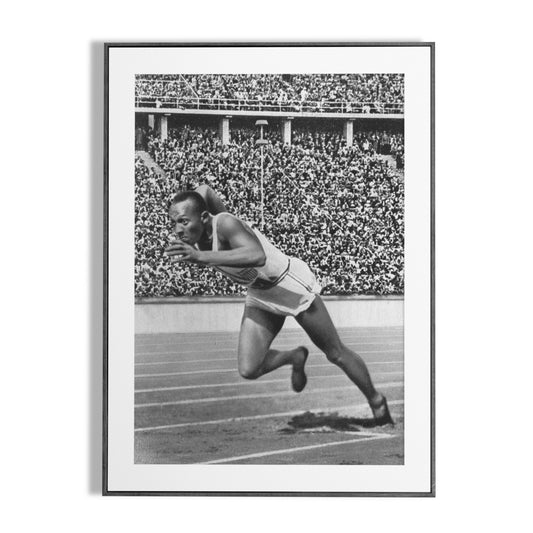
(318,325)
(258,330)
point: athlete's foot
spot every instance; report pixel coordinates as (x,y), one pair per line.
(381,412)
(298,377)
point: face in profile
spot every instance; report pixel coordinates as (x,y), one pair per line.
(189,222)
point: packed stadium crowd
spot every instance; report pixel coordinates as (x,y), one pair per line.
(338,208)
(370,93)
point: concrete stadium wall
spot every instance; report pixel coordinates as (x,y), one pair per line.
(238,113)
(177,315)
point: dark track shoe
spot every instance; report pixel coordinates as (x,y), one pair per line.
(298,377)
(382,414)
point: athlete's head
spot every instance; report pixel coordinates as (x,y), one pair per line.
(189,214)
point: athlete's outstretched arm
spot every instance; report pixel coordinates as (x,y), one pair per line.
(244,248)
(214,204)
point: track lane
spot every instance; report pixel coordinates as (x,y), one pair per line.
(214,391)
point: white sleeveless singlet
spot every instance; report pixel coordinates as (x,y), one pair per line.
(270,274)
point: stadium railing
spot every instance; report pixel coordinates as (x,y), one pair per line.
(232,104)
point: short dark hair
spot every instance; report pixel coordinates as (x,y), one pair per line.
(196,198)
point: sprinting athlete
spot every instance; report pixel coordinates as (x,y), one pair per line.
(278,286)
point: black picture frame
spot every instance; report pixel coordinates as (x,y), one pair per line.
(106,253)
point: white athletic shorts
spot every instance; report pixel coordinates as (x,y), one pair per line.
(292,295)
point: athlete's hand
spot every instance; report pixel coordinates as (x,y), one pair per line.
(181,251)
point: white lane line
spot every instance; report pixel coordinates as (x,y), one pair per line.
(188,373)
(257,395)
(226,370)
(229,350)
(177,361)
(246,383)
(216,359)
(257,417)
(366,437)
(203,339)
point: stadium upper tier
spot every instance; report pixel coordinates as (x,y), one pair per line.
(332,93)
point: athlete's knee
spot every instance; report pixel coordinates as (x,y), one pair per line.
(336,354)
(248,372)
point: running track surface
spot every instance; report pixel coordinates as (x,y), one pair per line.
(191,405)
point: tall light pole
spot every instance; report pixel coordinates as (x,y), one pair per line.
(261,142)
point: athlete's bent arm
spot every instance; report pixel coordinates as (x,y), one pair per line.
(214,204)
(245,250)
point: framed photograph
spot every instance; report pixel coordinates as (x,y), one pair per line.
(269,279)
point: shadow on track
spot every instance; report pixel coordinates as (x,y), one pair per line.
(324,422)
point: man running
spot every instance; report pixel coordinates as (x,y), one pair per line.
(278,286)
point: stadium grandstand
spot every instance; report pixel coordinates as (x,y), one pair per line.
(334,93)
(326,185)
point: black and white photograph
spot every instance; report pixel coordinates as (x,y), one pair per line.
(269,262)
(265,205)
